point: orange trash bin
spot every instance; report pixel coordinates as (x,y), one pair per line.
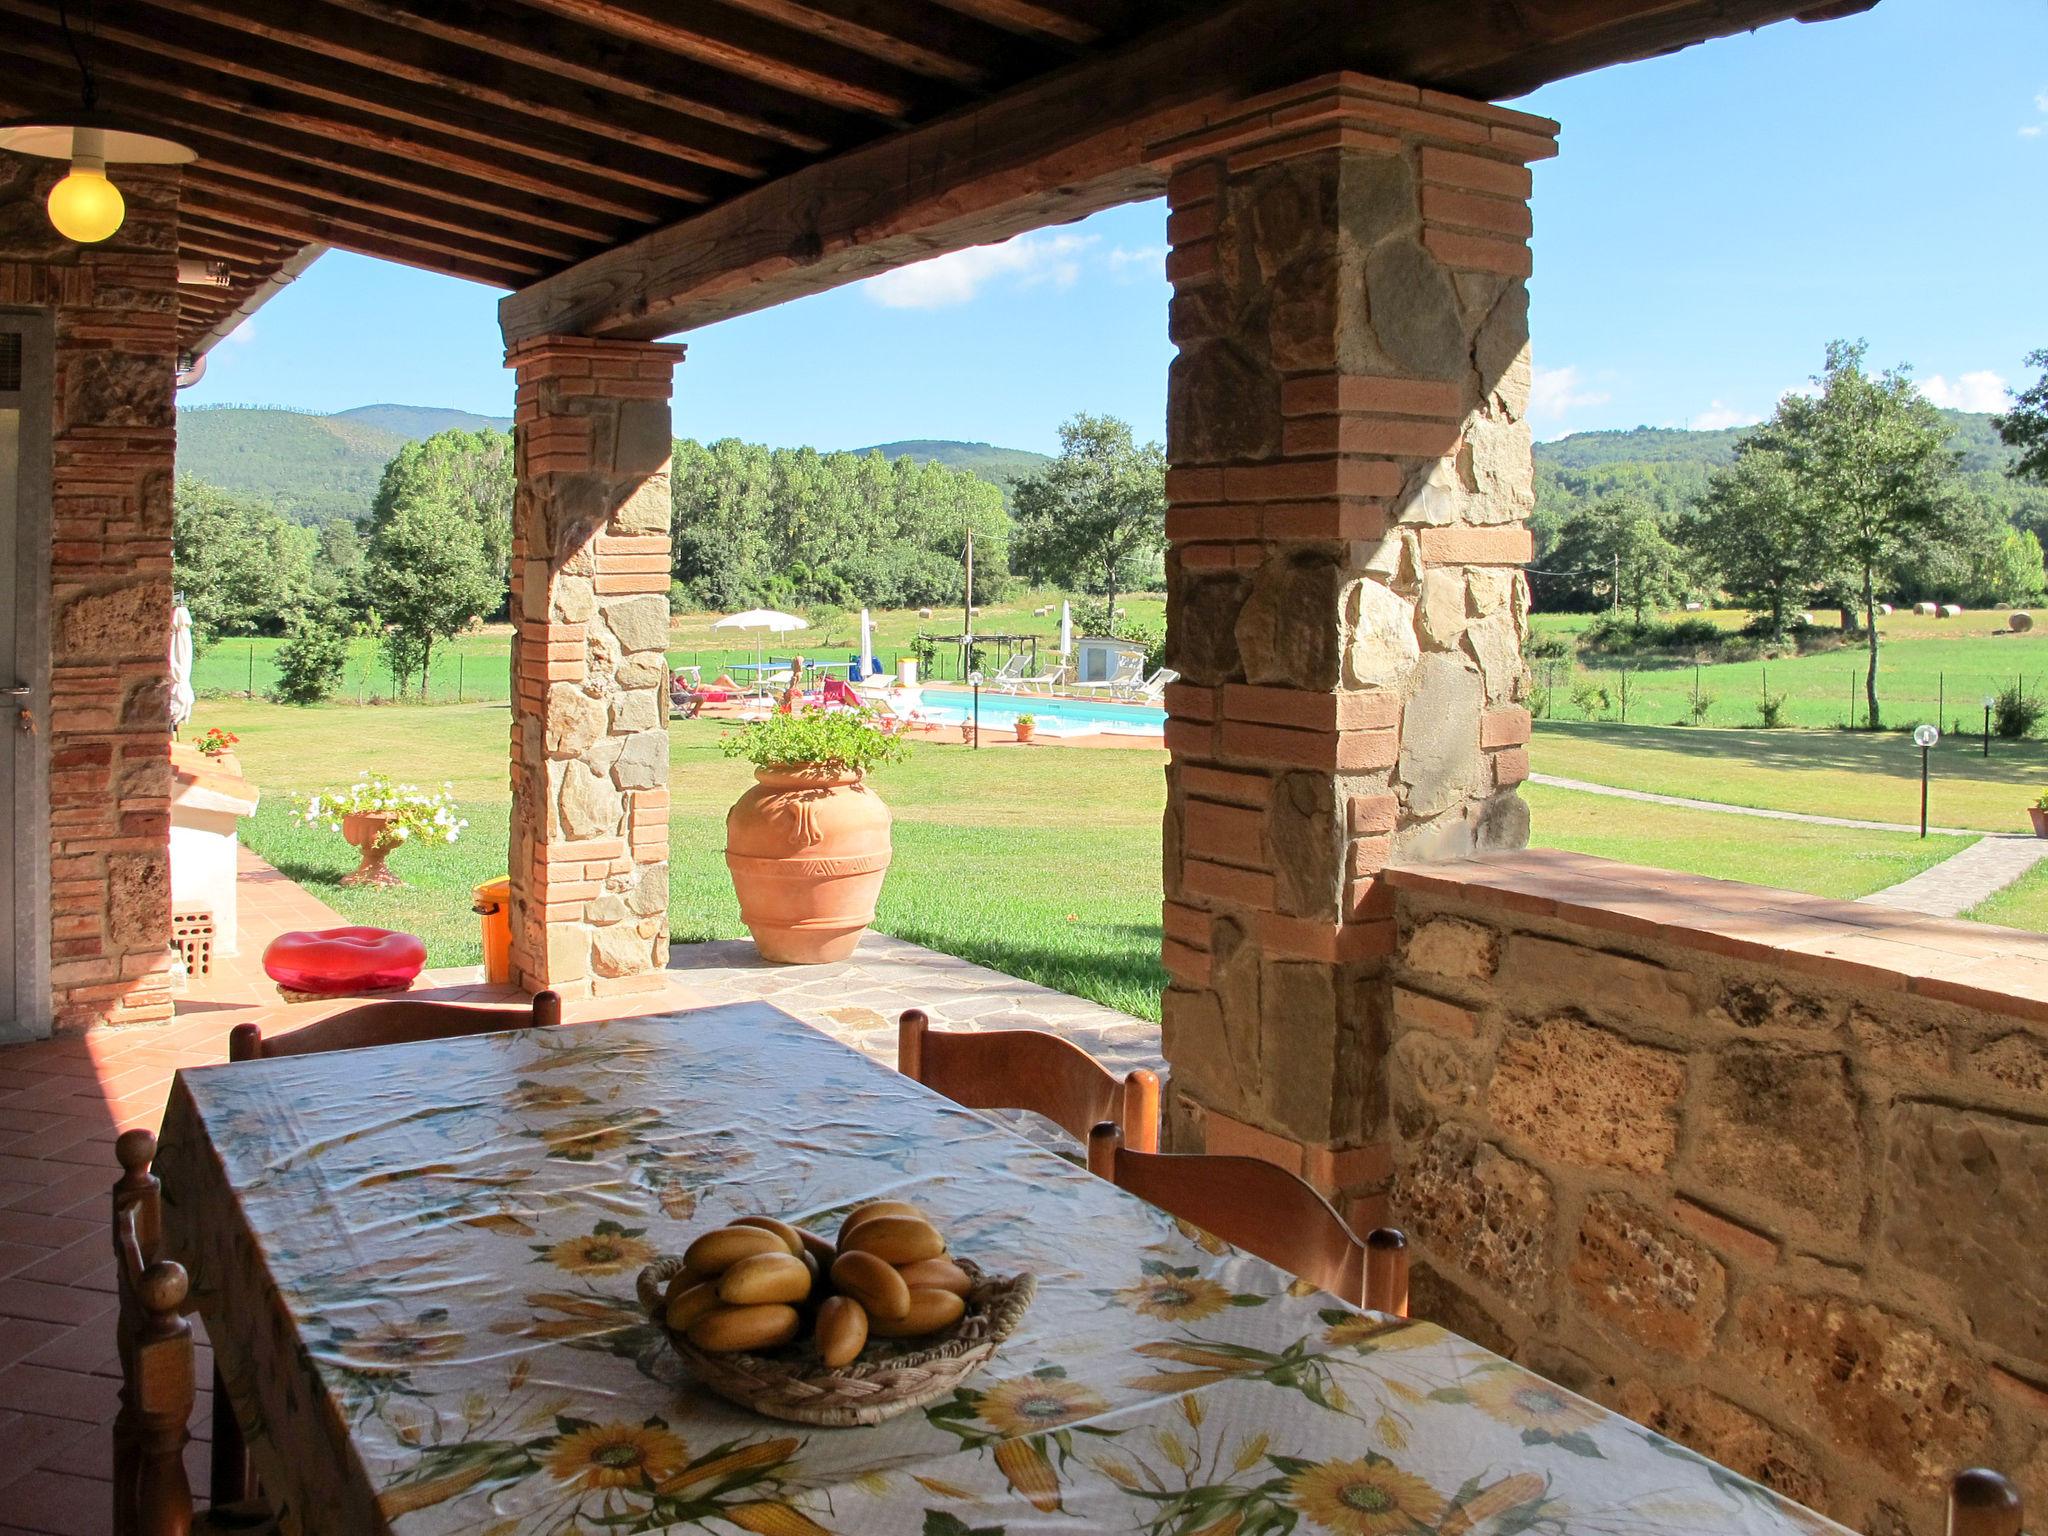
(494,906)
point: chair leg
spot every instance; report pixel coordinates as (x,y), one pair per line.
(229,1481)
(1981,1503)
(1386,1271)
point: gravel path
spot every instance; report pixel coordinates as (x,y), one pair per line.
(1743,810)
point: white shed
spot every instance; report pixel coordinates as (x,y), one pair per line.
(1096,657)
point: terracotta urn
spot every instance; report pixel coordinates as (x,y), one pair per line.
(1025,729)
(370,831)
(808,847)
(2040,820)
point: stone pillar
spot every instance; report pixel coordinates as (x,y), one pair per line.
(590,573)
(115,313)
(1350,476)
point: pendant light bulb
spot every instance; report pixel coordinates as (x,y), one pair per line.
(85,206)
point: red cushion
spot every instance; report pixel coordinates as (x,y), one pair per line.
(341,960)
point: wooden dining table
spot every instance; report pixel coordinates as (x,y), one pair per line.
(417,1265)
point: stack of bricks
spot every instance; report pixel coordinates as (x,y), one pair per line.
(1350,476)
(590,575)
(115,310)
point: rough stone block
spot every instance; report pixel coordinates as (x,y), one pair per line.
(1875,1382)
(1452,947)
(1587,1096)
(640,623)
(1779,1126)
(1966,1199)
(575,720)
(2017,1062)
(1479,1211)
(1429,1078)
(590,807)
(1287,631)
(1606,985)
(1383,649)
(1441,764)
(1646,1280)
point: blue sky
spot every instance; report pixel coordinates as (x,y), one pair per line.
(1713,219)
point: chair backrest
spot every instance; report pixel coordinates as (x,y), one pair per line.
(1265,1210)
(152,1496)
(1130,667)
(395,1021)
(1014,667)
(1028,1069)
(1156,685)
(1981,1503)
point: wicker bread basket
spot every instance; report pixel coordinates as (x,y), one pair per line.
(891,1376)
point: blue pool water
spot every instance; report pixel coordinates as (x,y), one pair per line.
(1055,717)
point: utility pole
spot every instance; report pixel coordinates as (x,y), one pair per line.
(1614,591)
(967,613)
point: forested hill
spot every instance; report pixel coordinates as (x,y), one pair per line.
(311,468)
(999,466)
(1670,467)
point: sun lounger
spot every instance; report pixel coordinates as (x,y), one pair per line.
(1130,671)
(1027,681)
(1152,690)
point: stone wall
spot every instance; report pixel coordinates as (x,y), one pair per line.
(108,723)
(1350,474)
(590,573)
(1784,1208)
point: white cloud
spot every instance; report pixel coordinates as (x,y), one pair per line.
(2041,101)
(1979,391)
(1555,393)
(242,334)
(1718,417)
(1026,260)
(1136,261)
(2031,131)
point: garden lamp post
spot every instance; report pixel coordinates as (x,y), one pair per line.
(974,678)
(1988,702)
(1924,737)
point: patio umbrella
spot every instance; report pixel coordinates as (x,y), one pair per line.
(867,644)
(763,622)
(1066,627)
(182,697)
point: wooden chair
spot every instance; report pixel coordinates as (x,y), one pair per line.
(394,1021)
(1265,1210)
(152,1496)
(1028,1069)
(1981,1503)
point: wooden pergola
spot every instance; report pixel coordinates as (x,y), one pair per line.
(635,168)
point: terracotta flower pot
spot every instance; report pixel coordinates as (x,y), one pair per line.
(370,831)
(1026,729)
(807,847)
(2040,819)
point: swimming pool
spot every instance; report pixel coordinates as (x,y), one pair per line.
(1055,717)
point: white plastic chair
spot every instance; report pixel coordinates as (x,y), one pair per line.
(1130,671)
(1153,689)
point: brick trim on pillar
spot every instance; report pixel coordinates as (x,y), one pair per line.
(113,440)
(1349,479)
(590,574)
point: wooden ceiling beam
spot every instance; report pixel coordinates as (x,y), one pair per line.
(390,239)
(206,52)
(919,36)
(237,246)
(584,206)
(1076,141)
(286,158)
(1072,23)
(764,50)
(732,124)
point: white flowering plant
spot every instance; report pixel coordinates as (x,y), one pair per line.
(417,815)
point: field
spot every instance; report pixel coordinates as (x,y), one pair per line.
(474,667)
(1935,670)
(1862,775)
(1042,862)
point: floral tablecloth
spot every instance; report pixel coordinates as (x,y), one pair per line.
(418,1265)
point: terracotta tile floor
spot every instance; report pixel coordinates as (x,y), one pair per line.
(62,1103)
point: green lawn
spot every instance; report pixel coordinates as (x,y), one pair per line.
(1042,863)
(2023,904)
(475,667)
(1935,670)
(1868,776)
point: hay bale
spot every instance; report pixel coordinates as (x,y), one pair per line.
(2020,623)
(1951,610)
(1885,609)
(1926,610)
(1695,607)
(924,613)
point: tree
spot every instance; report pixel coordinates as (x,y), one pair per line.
(1759,536)
(1871,456)
(2025,426)
(1095,518)
(430,575)
(470,473)
(314,654)
(1619,547)
(239,567)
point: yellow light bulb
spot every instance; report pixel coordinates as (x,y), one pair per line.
(85,206)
